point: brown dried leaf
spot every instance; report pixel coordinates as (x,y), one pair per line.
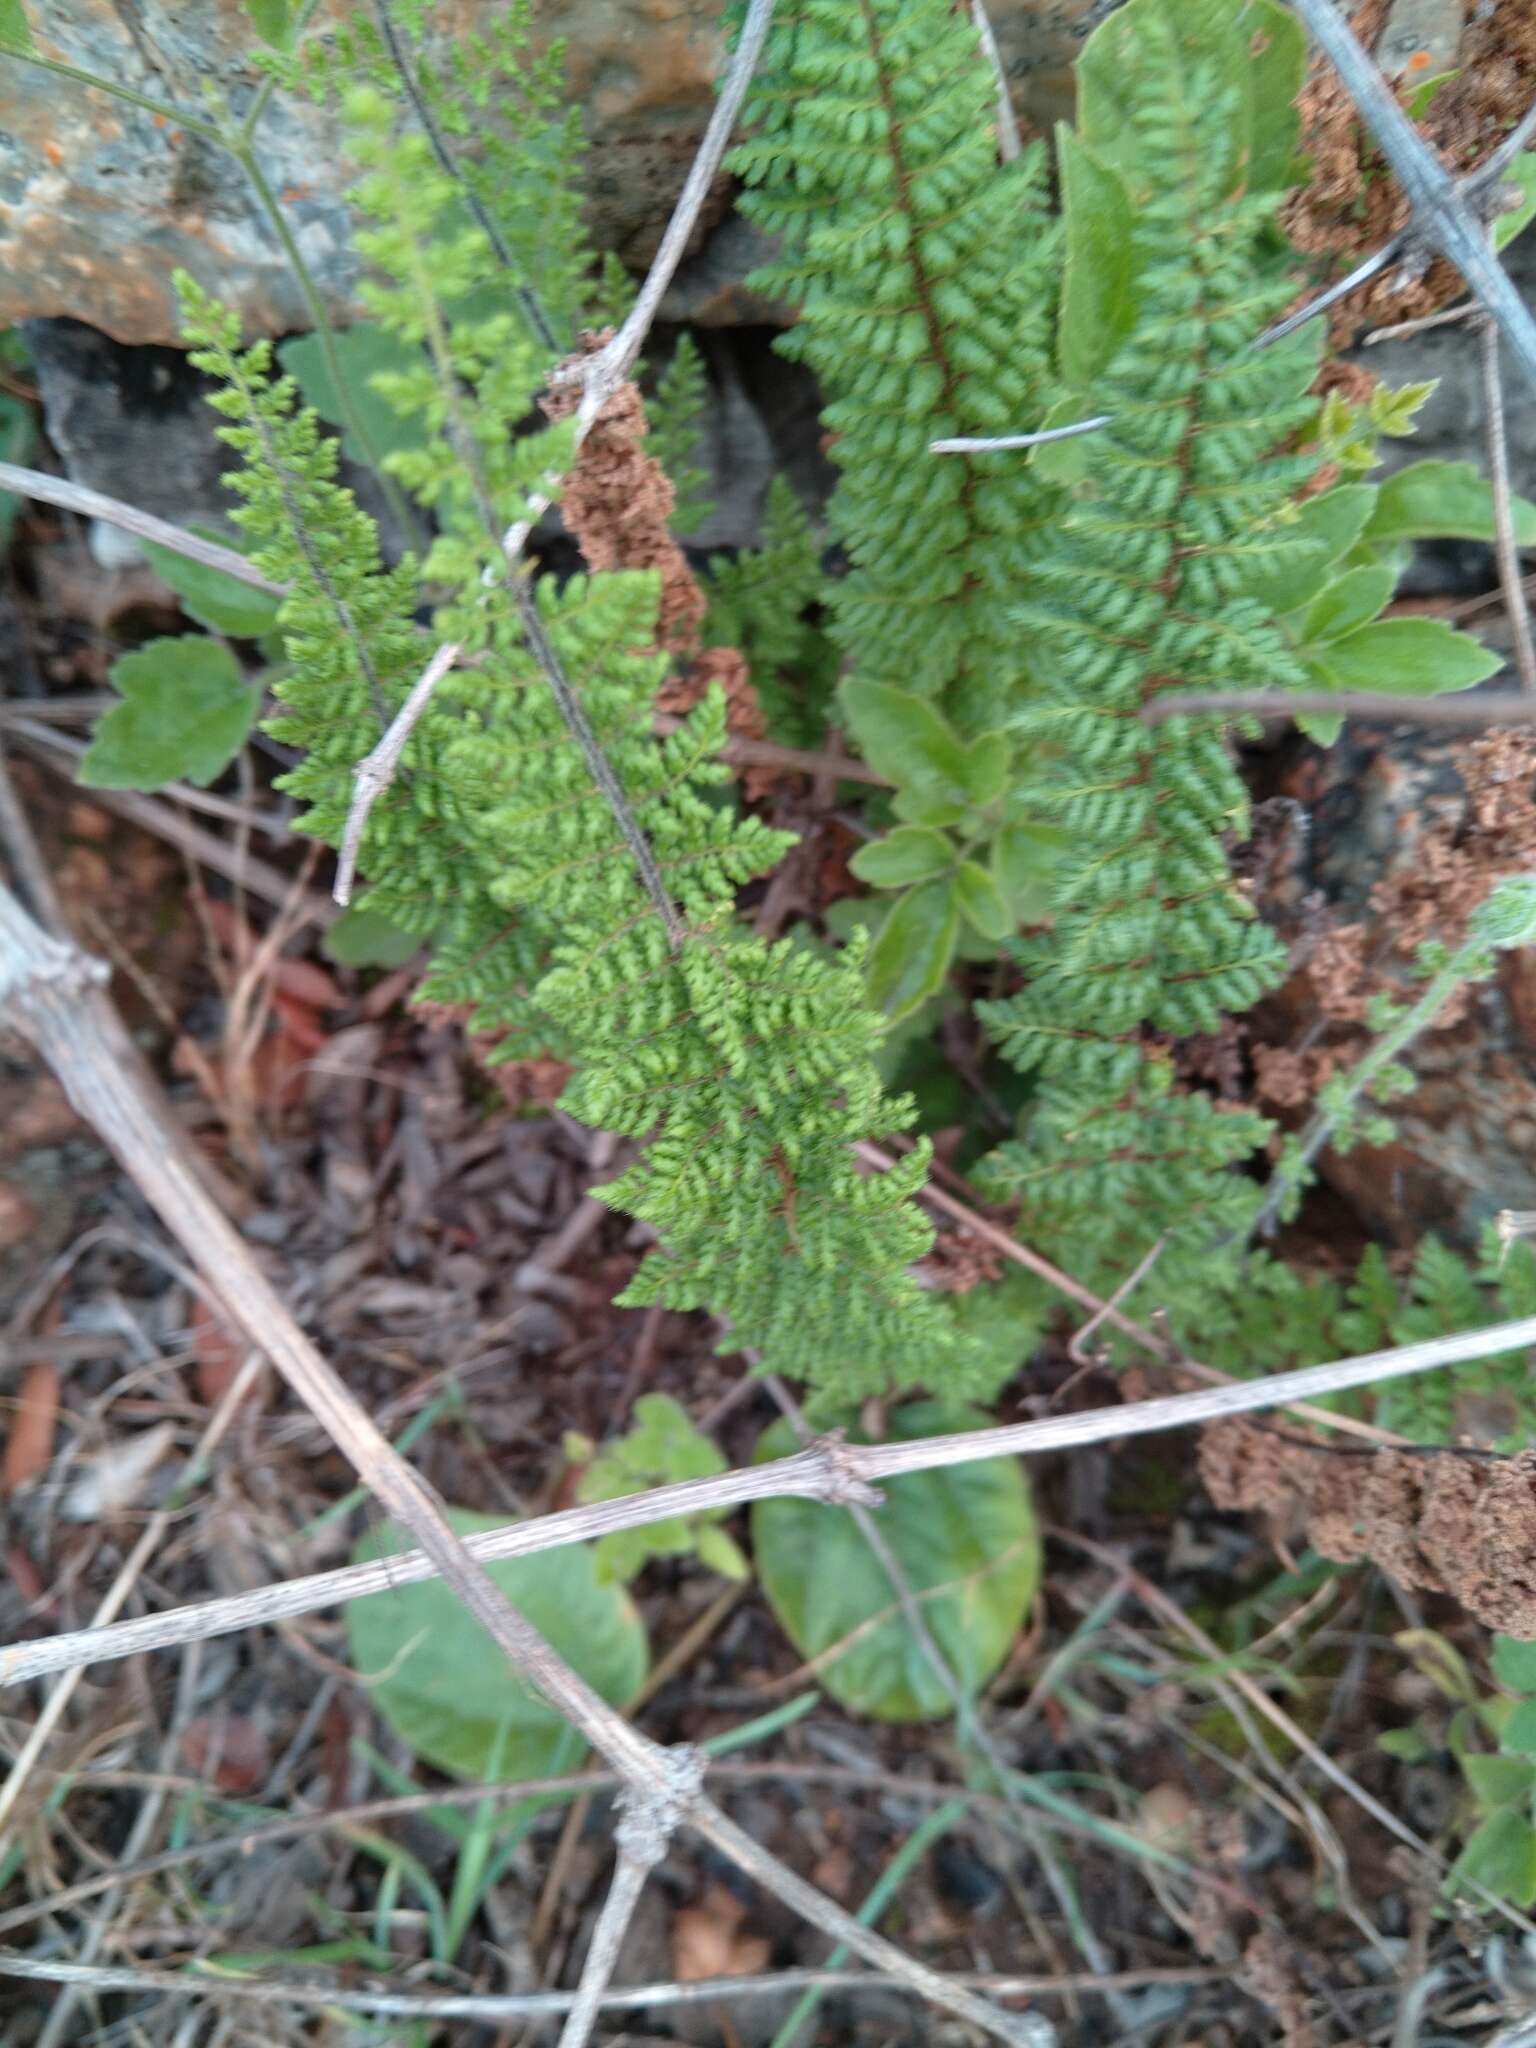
(29,1445)
(706,1941)
(229,1750)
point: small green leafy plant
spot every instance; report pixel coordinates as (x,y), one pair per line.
(661,1448)
(1492,1736)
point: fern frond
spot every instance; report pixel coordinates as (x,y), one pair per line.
(923,274)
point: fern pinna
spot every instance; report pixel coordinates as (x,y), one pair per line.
(921,268)
(741,1069)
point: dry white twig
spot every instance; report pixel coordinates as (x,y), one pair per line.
(832,1472)
(56,490)
(523,2005)
(1516,610)
(1441,214)
(376,771)
(1009,142)
(647,1824)
(1471,712)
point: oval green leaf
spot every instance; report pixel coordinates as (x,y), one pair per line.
(1434,500)
(1501,1857)
(981,901)
(446,1689)
(1024,860)
(912,853)
(967,1542)
(1419,657)
(911,956)
(363,937)
(913,746)
(1519,1736)
(213,598)
(1349,601)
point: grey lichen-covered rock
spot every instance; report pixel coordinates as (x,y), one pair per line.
(100,200)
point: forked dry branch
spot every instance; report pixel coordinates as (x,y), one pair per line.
(53,994)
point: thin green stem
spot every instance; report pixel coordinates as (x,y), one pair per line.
(325,333)
(895,1874)
(118,91)
(1293,1171)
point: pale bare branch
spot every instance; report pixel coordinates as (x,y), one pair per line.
(823,1473)
(55,490)
(1469,713)
(1506,549)
(1009,142)
(551,2004)
(376,771)
(1442,215)
(971,444)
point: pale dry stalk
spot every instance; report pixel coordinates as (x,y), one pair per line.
(52,993)
(832,1471)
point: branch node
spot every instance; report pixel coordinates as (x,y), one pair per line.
(843,1485)
(653,1810)
(50,965)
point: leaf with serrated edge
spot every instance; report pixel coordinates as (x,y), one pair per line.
(185,714)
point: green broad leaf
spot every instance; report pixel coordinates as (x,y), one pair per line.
(967,1544)
(185,714)
(361,352)
(987,761)
(1423,97)
(1406,1745)
(1349,601)
(1500,1855)
(361,937)
(1325,529)
(1514,1664)
(444,1687)
(912,853)
(723,1554)
(211,597)
(1099,277)
(1259,53)
(1024,861)
(1434,500)
(1498,1780)
(1415,657)
(15,447)
(1063,462)
(912,744)
(911,954)
(14,32)
(273,21)
(1522,175)
(981,901)
(1519,1737)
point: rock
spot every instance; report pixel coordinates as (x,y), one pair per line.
(1382,808)
(135,424)
(101,201)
